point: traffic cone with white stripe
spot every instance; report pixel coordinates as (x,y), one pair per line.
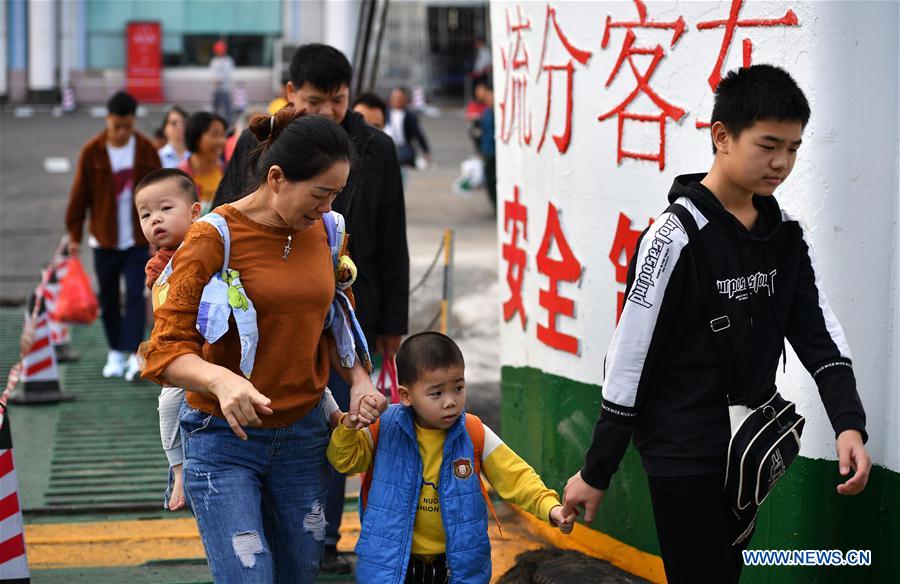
(60,335)
(13,563)
(40,374)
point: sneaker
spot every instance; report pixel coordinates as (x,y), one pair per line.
(115,364)
(334,563)
(132,368)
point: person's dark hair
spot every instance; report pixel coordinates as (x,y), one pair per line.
(486,84)
(161,132)
(371,100)
(185,185)
(302,145)
(197,125)
(428,351)
(322,66)
(121,103)
(756,93)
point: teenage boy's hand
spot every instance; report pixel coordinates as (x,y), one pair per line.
(563,522)
(577,494)
(73,248)
(852,455)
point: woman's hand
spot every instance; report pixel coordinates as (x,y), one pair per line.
(366,403)
(239,401)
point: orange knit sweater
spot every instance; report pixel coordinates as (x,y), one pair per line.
(291,297)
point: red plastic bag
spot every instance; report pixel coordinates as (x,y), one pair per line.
(76,303)
(387,376)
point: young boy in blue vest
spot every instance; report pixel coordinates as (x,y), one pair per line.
(424,507)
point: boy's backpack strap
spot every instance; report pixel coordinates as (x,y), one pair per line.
(367,476)
(221,226)
(475,429)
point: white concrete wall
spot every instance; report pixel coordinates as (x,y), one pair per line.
(845,184)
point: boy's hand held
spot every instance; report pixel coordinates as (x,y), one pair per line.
(562,522)
(580,494)
(360,415)
(852,455)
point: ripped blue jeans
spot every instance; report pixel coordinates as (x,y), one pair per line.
(259,504)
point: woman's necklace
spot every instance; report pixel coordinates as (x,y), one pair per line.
(287,249)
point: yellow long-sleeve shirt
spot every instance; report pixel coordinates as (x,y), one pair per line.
(350,451)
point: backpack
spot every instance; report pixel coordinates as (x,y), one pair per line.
(475,430)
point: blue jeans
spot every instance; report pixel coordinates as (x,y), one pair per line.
(259,504)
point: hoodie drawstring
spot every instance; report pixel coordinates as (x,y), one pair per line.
(775,309)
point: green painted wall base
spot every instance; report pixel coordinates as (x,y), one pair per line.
(549,421)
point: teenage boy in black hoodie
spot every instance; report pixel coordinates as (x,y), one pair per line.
(664,385)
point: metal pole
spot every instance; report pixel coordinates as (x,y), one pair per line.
(378,41)
(447,299)
(361,66)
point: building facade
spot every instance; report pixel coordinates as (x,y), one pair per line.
(49,45)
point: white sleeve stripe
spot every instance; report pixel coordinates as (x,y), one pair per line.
(491,442)
(832,324)
(368,434)
(659,252)
(699,218)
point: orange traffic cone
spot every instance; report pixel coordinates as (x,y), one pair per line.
(13,563)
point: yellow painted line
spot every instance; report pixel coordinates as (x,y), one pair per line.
(600,545)
(111,543)
(131,543)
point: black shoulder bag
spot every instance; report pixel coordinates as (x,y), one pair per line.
(765,438)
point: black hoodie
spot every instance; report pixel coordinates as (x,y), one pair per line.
(372,204)
(663,381)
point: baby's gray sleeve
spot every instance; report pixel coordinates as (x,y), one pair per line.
(169,425)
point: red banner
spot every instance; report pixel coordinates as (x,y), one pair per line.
(143,70)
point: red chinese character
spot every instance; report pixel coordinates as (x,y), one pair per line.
(515,214)
(576,54)
(629,50)
(789,19)
(513,113)
(623,248)
(568,269)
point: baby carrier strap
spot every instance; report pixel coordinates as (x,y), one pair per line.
(224,297)
(341,320)
(221,226)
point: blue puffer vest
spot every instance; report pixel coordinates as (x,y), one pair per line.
(385,541)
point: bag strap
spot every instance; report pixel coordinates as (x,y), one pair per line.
(366,484)
(719,322)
